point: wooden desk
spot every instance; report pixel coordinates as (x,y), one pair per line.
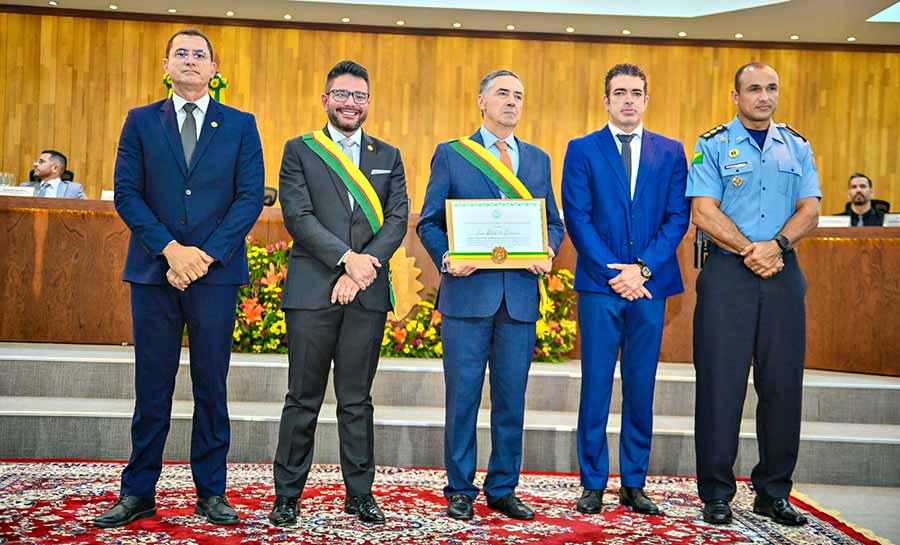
(62,263)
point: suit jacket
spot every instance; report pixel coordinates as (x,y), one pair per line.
(211,203)
(608,226)
(65,190)
(317,214)
(480,294)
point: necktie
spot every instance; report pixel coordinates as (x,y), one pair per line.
(626,156)
(504,154)
(347,147)
(189,132)
(44,188)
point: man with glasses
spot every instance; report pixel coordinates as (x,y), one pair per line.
(343,197)
(189,184)
(49,169)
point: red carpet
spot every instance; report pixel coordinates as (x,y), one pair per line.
(49,503)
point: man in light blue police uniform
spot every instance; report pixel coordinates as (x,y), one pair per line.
(755,193)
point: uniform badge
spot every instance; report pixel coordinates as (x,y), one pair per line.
(371,147)
(723,138)
(737,181)
(733,152)
(214,124)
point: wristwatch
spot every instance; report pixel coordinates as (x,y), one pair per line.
(783,242)
(645,270)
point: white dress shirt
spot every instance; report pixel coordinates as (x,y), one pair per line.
(351,151)
(53,190)
(199,112)
(638,133)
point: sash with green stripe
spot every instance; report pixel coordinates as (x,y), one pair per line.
(356,182)
(507,182)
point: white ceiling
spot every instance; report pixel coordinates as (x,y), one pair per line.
(811,21)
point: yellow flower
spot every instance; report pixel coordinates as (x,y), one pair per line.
(214,83)
(439,348)
(406,349)
(541,328)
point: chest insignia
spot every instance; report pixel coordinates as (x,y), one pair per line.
(737,181)
(733,152)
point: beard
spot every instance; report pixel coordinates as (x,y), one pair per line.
(859,198)
(344,126)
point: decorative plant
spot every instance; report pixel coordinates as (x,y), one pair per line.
(260,325)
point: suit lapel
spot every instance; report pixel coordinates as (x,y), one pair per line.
(526,167)
(495,191)
(646,165)
(170,128)
(614,158)
(211,122)
(339,186)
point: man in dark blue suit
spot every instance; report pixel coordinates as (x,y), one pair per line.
(189,184)
(623,199)
(490,314)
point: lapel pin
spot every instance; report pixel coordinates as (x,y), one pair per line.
(737,181)
(371,147)
(214,124)
(733,152)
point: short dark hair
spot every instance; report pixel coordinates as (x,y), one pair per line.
(347,67)
(860,175)
(740,71)
(490,77)
(58,157)
(625,69)
(190,32)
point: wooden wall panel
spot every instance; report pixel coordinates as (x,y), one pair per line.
(67,83)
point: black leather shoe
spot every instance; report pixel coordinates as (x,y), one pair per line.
(778,509)
(512,507)
(717,512)
(590,503)
(217,510)
(459,507)
(284,512)
(637,500)
(364,507)
(126,510)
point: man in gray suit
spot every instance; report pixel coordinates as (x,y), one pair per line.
(49,167)
(343,197)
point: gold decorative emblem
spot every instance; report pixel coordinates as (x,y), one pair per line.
(371,147)
(498,255)
(737,181)
(723,138)
(214,124)
(733,152)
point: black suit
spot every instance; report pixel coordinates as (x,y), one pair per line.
(318,215)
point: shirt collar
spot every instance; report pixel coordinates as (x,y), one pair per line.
(741,133)
(179,102)
(490,139)
(337,135)
(54,183)
(638,131)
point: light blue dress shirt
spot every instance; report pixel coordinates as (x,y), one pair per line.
(490,143)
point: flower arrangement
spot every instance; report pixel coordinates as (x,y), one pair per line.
(418,336)
(260,325)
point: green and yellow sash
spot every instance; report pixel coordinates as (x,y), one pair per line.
(508,183)
(356,182)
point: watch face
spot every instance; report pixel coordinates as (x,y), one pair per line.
(645,271)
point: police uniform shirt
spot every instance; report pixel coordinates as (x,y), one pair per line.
(757,188)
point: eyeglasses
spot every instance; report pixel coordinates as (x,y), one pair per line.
(198,54)
(341,95)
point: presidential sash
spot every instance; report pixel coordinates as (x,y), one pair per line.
(506,181)
(356,182)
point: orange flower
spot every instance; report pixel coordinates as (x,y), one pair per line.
(400,334)
(435,318)
(554,283)
(271,277)
(553,325)
(252,311)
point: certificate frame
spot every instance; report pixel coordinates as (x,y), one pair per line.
(497,256)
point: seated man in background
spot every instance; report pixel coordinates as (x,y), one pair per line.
(49,168)
(860,208)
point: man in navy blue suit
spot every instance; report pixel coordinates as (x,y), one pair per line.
(489,314)
(189,184)
(624,205)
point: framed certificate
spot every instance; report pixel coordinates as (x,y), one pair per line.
(497,233)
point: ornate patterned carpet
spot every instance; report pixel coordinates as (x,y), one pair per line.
(54,502)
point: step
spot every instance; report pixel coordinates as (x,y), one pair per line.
(830,453)
(40,370)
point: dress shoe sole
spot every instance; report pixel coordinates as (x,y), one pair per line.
(629,505)
(510,515)
(785,522)
(709,520)
(461,516)
(137,516)
(587,511)
(222,522)
(283,524)
(352,511)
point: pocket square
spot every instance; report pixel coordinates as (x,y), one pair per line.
(379,171)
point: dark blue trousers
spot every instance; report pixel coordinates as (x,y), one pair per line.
(741,318)
(469,344)
(608,323)
(159,315)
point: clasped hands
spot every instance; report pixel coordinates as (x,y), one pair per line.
(629,283)
(466,270)
(763,258)
(359,273)
(186,264)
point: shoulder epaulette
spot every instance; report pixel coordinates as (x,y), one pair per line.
(713,131)
(792,130)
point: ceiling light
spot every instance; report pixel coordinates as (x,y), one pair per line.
(457,25)
(401,22)
(287,16)
(54,3)
(345,20)
(626,31)
(229,13)
(570,29)
(510,27)
(738,35)
(173,10)
(795,37)
(113,6)
(682,34)
(851,39)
